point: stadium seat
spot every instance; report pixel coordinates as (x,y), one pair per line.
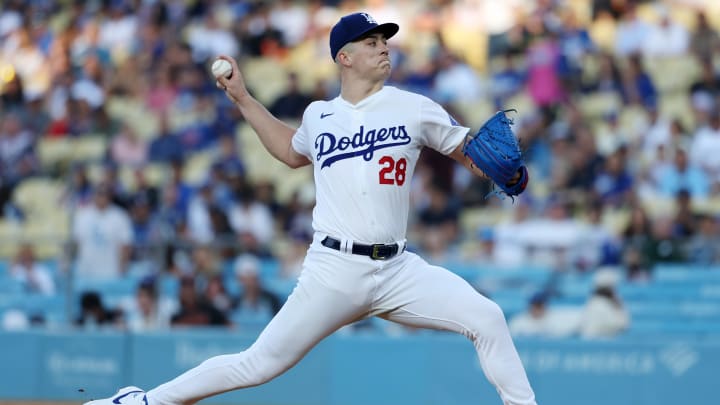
(596,105)
(135,114)
(10,234)
(666,272)
(53,152)
(249,324)
(270,73)
(261,166)
(89,148)
(38,196)
(474,113)
(197,167)
(47,236)
(121,286)
(674,74)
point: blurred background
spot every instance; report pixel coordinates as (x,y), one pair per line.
(143,227)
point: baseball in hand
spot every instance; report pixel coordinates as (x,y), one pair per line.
(221,68)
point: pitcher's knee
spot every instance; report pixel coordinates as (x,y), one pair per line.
(489,318)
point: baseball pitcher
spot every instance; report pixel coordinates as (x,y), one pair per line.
(364,145)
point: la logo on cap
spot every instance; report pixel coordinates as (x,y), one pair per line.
(369,18)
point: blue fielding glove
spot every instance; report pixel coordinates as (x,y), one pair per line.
(495,151)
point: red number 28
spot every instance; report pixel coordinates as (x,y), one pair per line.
(389,165)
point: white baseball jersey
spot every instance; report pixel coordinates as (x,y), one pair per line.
(364,156)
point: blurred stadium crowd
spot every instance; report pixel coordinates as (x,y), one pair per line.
(125,175)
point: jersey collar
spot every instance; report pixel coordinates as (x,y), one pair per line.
(364,102)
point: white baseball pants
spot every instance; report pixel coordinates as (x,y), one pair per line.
(336,289)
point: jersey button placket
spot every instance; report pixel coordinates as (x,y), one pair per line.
(361,177)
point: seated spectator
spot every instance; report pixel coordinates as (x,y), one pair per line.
(705,40)
(656,134)
(167,145)
(637,241)
(103,234)
(228,158)
(705,147)
(17,155)
(708,84)
(599,246)
(252,221)
(195,310)
(438,223)
(668,238)
(667,38)
(553,239)
(217,295)
(704,247)
(541,321)
(34,277)
(127,148)
(456,80)
(205,261)
(637,267)
(292,258)
(94,314)
(198,217)
(586,162)
(614,183)
(148,312)
(147,231)
(14,320)
(144,189)
(291,104)
(254,300)
(78,189)
(544,84)
(631,32)
(604,314)
(637,85)
(608,79)
(682,175)
(575,44)
(507,81)
(510,248)
(482,251)
(684,219)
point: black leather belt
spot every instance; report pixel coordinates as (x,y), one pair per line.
(377,251)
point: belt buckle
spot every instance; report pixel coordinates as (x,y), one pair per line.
(376,252)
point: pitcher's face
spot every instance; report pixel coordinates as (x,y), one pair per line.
(371,57)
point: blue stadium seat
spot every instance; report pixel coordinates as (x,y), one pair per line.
(114,286)
(686,272)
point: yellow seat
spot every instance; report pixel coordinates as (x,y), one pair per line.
(678,106)
(596,105)
(89,148)
(47,236)
(145,123)
(472,219)
(673,74)
(710,206)
(38,196)
(658,207)
(197,167)
(270,73)
(156,174)
(474,113)
(54,151)
(10,236)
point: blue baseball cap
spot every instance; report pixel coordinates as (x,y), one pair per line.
(355,26)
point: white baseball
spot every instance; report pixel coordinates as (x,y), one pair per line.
(221,68)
